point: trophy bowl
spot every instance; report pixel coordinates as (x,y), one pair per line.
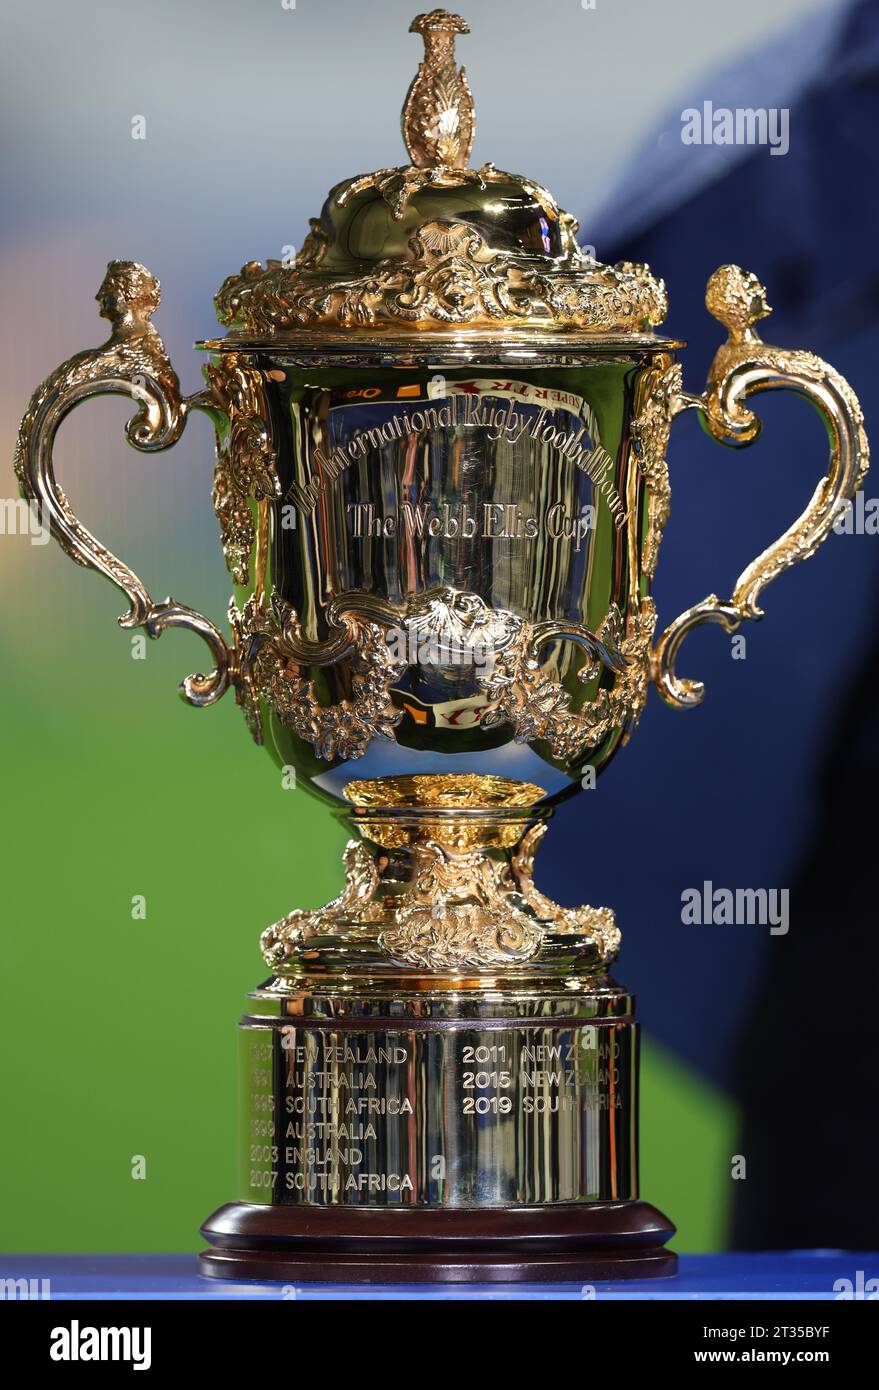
(441,487)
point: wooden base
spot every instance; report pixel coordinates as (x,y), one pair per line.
(572,1242)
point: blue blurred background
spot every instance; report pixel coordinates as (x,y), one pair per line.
(114,1028)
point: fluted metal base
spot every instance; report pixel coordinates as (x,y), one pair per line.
(447,1135)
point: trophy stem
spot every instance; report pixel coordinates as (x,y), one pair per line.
(439,894)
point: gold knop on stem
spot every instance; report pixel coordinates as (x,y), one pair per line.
(438,117)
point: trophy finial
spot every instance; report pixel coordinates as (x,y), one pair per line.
(438,119)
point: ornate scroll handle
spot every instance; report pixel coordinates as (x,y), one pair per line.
(132,362)
(745,366)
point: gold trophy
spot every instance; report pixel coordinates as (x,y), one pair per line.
(441,486)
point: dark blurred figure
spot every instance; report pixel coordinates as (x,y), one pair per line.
(806,1069)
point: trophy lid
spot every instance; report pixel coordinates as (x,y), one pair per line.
(438,249)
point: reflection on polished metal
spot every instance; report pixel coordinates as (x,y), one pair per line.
(441,486)
(518,692)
